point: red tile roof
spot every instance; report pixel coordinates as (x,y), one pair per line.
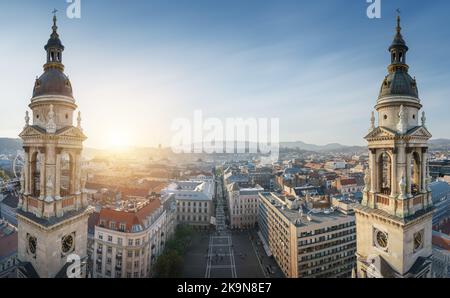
(350,181)
(442,242)
(128,218)
(8,244)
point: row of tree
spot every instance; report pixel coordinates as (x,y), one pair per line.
(170,263)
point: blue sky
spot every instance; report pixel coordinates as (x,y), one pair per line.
(137,65)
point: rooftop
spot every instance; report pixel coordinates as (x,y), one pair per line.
(191,190)
(134,215)
(302,216)
(8,239)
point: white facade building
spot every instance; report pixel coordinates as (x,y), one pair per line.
(243,205)
(194,201)
(129,240)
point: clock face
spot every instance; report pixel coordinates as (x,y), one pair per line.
(381,239)
(418,240)
(32,244)
(68,244)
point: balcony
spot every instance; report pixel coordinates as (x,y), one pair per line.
(386,191)
(99,251)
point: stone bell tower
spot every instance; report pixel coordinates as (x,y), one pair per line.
(53,208)
(394,221)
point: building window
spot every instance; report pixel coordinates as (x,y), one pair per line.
(122,227)
(119,241)
(109,249)
(108,261)
(130,254)
(112,225)
(110,238)
(100,236)
(130,242)
(138,242)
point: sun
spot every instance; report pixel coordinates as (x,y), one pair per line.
(119,140)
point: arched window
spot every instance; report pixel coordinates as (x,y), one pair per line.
(385,173)
(415,173)
(66,174)
(35,174)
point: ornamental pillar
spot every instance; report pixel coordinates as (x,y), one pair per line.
(424,170)
(408,172)
(394,184)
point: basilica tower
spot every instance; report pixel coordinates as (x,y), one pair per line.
(394,220)
(53,209)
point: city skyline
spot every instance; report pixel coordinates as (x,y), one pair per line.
(270,59)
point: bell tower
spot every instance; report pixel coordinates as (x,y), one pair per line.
(53,208)
(394,220)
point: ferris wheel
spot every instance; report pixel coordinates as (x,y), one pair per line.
(18,163)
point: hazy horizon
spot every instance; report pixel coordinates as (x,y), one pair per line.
(135,67)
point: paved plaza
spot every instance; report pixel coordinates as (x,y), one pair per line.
(222,253)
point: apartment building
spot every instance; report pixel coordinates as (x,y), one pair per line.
(305,242)
(129,239)
(243,205)
(194,201)
(8,249)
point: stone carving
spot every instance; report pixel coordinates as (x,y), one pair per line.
(79,121)
(402,125)
(27,119)
(372,122)
(424,119)
(367,180)
(84,177)
(22,181)
(49,187)
(429,179)
(402,185)
(51,126)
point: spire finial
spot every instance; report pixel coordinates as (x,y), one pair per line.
(399,28)
(54,20)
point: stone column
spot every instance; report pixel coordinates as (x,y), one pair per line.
(373,171)
(26,172)
(58,175)
(408,172)
(77,171)
(394,183)
(423,175)
(42,174)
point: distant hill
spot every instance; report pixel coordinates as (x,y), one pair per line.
(440,144)
(320,148)
(10,146)
(435,145)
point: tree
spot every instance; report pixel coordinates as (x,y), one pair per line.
(170,263)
